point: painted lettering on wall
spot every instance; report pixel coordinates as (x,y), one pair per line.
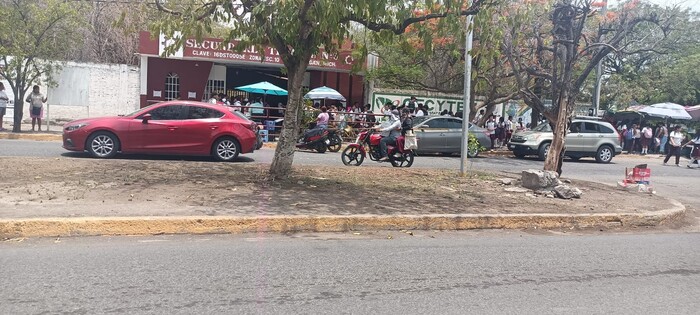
(216,49)
(435,104)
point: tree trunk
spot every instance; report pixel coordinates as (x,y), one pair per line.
(284,154)
(19,111)
(556,149)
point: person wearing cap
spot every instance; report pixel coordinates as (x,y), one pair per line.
(390,133)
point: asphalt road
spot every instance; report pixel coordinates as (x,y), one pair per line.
(490,272)
(675,182)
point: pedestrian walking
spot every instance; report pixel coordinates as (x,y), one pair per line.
(674,145)
(662,134)
(637,144)
(36,102)
(3,104)
(509,128)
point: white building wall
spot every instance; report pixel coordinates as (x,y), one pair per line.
(93,90)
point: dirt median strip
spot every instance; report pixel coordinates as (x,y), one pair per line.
(55,227)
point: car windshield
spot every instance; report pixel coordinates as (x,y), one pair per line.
(543,127)
(418,120)
(139,111)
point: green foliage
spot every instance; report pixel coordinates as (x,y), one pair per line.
(298,29)
(35,36)
(473,143)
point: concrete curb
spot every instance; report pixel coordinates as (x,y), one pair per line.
(31,136)
(54,227)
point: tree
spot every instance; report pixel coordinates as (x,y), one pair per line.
(298,29)
(407,63)
(35,36)
(663,74)
(567,49)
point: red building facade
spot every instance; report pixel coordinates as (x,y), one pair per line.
(202,68)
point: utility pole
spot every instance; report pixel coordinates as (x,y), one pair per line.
(467,95)
(599,66)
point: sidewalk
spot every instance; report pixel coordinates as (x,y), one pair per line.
(74,196)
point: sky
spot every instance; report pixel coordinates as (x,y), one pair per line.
(692,4)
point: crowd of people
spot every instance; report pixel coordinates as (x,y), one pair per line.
(256,108)
(649,138)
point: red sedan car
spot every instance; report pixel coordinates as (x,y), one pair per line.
(174,127)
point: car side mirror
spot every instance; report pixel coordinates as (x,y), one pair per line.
(146,118)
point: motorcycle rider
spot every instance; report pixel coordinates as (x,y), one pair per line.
(323,118)
(390,133)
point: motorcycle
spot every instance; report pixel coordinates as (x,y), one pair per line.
(367,144)
(314,139)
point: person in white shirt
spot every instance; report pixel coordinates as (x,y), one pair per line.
(390,133)
(674,145)
(3,104)
(36,102)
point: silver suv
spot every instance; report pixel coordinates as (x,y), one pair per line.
(587,137)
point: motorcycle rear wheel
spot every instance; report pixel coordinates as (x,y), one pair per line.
(406,160)
(352,156)
(336,143)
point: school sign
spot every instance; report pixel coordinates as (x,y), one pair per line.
(436,104)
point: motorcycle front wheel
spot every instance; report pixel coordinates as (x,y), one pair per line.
(352,156)
(336,143)
(404,160)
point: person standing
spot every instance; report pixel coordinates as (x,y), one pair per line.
(491,129)
(674,145)
(3,104)
(637,136)
(36,102)
(509,128)
(411,104)
(420,112)
(662,134)
(647,134)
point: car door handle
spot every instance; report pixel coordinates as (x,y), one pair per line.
(171,128)
(213,127)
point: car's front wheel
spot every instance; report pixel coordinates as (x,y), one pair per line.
(605,154)
(544,150)
(103,144)
(226,149)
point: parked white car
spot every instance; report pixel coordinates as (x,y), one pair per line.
(587,137)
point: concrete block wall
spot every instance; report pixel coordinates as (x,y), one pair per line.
(112,89)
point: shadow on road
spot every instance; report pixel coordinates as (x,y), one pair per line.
(84,155)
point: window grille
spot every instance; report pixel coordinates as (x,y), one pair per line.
(214,87)
(172,86)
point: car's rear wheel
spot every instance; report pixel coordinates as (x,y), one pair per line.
(103,144)
(226,149)
(544,150)
(605,154)
(472,152)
